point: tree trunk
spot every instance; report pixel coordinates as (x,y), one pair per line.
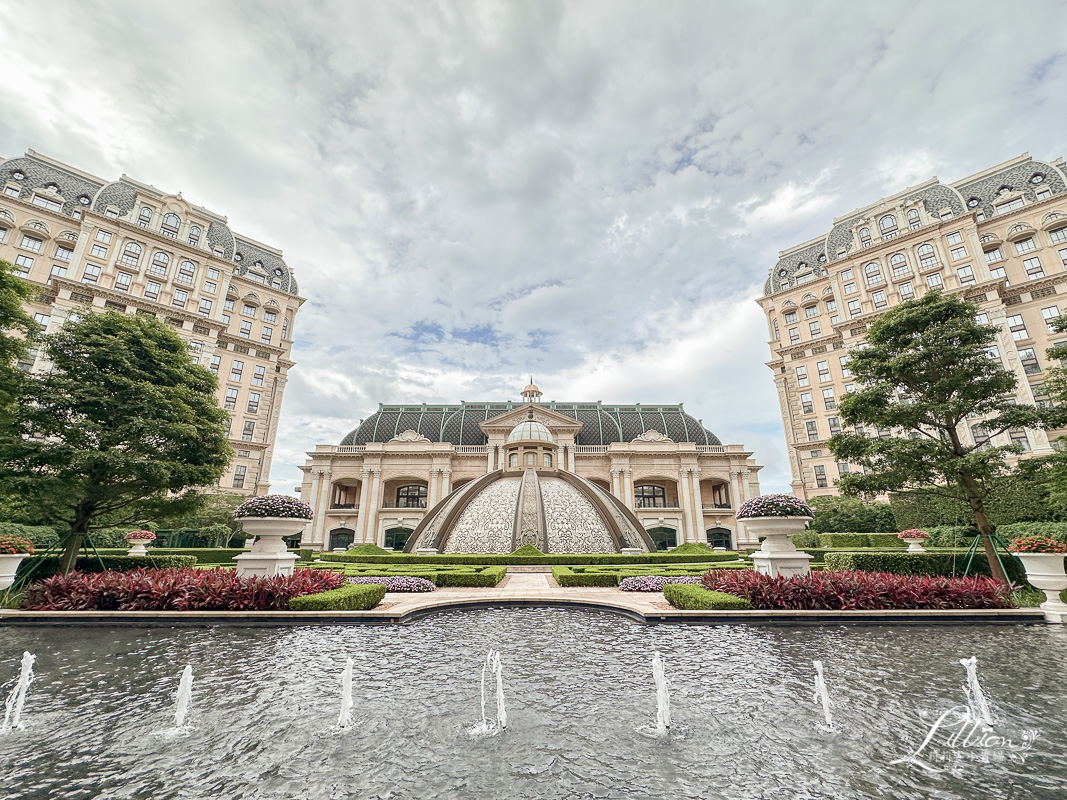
(70,551)
(985,531)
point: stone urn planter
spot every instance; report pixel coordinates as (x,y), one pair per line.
(774,518)
(13,549)
(915,539)
(270,518)
(137,541)
(1043,560)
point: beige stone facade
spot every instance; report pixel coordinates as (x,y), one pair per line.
(998,238)
(126,246)
(682,484)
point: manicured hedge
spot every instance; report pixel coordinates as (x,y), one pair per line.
(860,540)
(546,560)
(490,576)
(350,597)
(41,536)
(950,535)
(696,598)
(1053,530)
(921,564)
(50,565)
(567,577)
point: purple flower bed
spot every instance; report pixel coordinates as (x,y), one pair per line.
(774,505)
(654,583)
(273,505)
(399,583)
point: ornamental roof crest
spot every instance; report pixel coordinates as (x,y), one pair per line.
(652,436)
(409,436)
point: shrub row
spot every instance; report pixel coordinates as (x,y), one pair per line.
(350,597)
(174,590)
(697,598)
(860,540)
(921,564)
(565,577)
(837,591)
(564,559)
(46,566)
(41,536)
(608,576)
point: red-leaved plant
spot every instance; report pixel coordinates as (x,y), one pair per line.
(875,591)
(175,590)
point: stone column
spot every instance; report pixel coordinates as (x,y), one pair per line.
(684,500)
(434,490)
(488,458)
(322,504)
(446,482)
(370,531)
(735,488)
(615,489)
(628,487)
(570,457)
(308,536)
(698,507)
(364,504)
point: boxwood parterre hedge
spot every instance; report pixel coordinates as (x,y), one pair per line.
(350,597)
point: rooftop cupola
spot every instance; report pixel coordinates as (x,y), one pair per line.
(531,394)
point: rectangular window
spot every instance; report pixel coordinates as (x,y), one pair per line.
(248,431)
(854,309)
(63,253)
(879,298)
(831,305)
(1025,246)
(239,476)
(12,191)
(181,297)
(846,274)
(820,476)
(23,263)
(42,320)
(111,213)
(266,334)
(835,424)
(849,288)
(1049,314)
(927,262)
(151,290)
(205,307)
(842,468)
(123,281)
(834,319)
(845,371)
(231,399)
(98,251)
(790,317)
(994,353)
(813,328)
(44,202)
(1033,268)
(802,376)
(981,318)
(31,244)
(993,256)
(271,317)
(1018,437)
(58,271)
(1017,327)
(1043,194)
(954,238)
(806,404)
(216,362)
(809,312)
(244,453)
(248,311)
(956,253)
(812,428)
(1011,205)
(934,281)
(226,318)
(1028,358)
(966,275)
(91,274)
(1058,235)
(213,274)
(828,399)
(210,287)
(906,290)
(253,402)
(103,236)
(227,305)
(257,375)
(824,370)
(236,370)
(999,274)
(246,329)
(901,269)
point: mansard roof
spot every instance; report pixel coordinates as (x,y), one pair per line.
(601,424)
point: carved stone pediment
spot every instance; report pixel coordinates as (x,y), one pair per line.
(409,436)
(653,436)
(553,420)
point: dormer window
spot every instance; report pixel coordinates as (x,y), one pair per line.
(144,219)
(46,202)
(865,237)
(169,226)
(194,235)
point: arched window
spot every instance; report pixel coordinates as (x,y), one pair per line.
(529,459)
(285,328)
(186,271)
(650,497)
(194,235)
(131,254)
(160,262)
(664,538)
(913,219)
(513,460)
(411,497)
(144,219)
(774,327)
(396,538)
(719,537)
(865,237)
(169,226)
(899,264)
(873,273)
(341,538)
(926,250)
(548,459)
(887,223)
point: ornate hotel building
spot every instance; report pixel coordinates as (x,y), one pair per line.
(998,238)
(665,468)
(88,243)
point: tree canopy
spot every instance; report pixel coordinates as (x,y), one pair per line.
(17,330)
(850,514)
(121,428)
(927,372)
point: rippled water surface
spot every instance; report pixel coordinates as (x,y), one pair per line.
(580,701)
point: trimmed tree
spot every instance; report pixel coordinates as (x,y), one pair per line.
(121,428)
(925,374)
(17,330)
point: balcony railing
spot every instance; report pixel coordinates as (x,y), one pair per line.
(711,448)
(351,448)
(353,506)
(715,506)
(470,448)
(590,449)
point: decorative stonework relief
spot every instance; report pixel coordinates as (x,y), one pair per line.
(653,436)
(630,537)
(572,522)
(431,534)
(530,528)
(409,436)
(487,523)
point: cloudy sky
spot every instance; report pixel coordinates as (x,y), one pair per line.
(589,192)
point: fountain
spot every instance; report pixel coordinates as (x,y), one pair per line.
(663,697)
(821,695)
(493,668)
(346,695)
(185,693)
(978,707)
(17,698)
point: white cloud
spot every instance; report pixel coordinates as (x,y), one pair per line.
(473,191)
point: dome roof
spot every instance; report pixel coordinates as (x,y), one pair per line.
(531,387)
(529,429)
(557,513)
